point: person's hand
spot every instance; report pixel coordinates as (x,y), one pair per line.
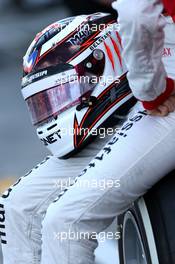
(167,107)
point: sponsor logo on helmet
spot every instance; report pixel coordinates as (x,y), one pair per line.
(52,138)
(31,78)
(100,40)
(29,63)
(80,36)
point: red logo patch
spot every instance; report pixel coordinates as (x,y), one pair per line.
(166,52)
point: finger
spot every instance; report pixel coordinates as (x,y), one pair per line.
(154,112)
(163,109)
(170,104)
(172,99)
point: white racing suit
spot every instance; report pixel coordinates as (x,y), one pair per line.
(142,30)
(34,230)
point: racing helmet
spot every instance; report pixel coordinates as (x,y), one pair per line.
(74,79)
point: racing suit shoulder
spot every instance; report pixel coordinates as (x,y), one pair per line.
(142,32)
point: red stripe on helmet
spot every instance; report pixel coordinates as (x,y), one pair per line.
(110,55)
(117,51)
(119,38)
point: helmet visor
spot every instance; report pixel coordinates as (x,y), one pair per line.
(55,100)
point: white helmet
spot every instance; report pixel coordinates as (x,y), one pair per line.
(74,80)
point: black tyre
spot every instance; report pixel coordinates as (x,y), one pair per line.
(148,228)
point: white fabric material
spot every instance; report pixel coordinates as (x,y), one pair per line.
(169,47)
(142,31)
(140,154)
(1,258)
(27,202)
